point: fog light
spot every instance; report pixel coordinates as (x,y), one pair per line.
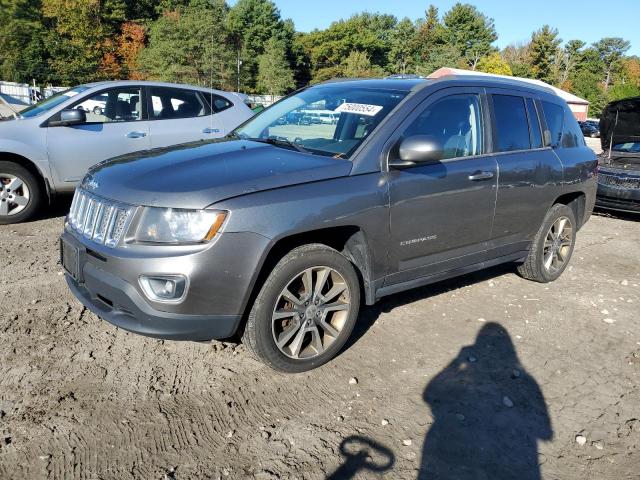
(164,288)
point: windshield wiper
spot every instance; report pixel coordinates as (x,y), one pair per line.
(280,142)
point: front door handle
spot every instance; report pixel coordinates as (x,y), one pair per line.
(481,176)
(135,135)
(210,130)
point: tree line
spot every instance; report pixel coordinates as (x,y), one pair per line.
(250,47)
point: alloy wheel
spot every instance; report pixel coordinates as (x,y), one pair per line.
(557,244)
(14,194)
(310,312)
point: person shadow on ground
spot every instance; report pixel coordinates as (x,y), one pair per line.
(489,415)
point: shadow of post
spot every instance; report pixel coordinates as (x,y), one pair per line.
(362,454)
(489,415)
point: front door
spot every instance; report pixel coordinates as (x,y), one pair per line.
(115,126)
(441,212)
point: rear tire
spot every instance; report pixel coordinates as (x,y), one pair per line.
(552,246)
(20,193)
(305,310)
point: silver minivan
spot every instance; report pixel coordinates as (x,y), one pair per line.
(49,146)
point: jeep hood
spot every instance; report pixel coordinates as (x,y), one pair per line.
(199,174)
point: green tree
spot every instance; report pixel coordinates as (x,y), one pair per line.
(358,65)
(570,57)
(444,55)
(188,45)
(401,53)
(365,32)
(494,63)
(470,31)
(251,24)
(275,77)
(543,51)
(22,48)
(518,57)
(611,51)
(429,34)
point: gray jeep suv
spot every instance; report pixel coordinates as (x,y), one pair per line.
(281,230)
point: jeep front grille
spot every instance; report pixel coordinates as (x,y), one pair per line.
(619,181)
(98,219)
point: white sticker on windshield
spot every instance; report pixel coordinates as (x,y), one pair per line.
(359,108)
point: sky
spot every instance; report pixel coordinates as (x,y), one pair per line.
(587,20)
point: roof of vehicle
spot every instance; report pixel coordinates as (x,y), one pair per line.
(116,83)
(414,84)
(520,81)
(402,84)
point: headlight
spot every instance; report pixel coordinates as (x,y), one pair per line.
(176,226)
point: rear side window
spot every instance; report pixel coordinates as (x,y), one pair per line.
(554,114)
(534,125)
(511,123)
(169,103)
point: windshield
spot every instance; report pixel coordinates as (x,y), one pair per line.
(52,102)
(330,120)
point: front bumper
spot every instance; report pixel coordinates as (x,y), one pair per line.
(220,277)
(618,198)
(118,303)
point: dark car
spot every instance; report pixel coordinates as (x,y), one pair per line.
(619,169)
(280,232)
(589,129)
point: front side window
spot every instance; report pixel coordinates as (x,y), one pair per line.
(115,105)
(511,123)
(172,103)
(331,120)
(454,122)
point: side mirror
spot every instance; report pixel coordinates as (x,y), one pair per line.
(71,116)
(419,149)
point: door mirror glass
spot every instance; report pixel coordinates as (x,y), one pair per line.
(69,117)
(420,149)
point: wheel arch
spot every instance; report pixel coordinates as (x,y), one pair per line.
(32,167)
(349,240)
(577,201)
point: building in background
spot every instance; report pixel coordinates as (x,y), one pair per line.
(579,106)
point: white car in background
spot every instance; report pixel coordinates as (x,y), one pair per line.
(49,146)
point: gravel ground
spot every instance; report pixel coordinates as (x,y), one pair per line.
(487,371)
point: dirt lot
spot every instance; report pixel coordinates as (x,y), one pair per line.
(488,371)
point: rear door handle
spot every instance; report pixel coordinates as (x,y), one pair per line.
(481,176)
(210,130)
(135,135)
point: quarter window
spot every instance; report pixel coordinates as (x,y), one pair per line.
(454,122)
(571,133)
(554,114)
(511,123)
(171,103)
(116,105)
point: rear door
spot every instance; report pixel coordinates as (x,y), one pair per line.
(116,125)
(441,212)
(180,115)
(530,172)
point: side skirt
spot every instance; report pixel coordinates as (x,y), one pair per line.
(420,282)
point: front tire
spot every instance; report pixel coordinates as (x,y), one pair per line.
(552,246)
(20,193)
(305,311)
